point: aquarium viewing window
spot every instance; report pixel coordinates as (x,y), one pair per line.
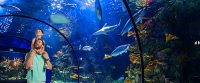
(99,41)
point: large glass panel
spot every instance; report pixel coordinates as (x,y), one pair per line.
(99,31)
(169,38)
(16,37)
(95,41)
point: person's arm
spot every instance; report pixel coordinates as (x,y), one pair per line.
(47,60)
(32,43)
(29,60)
(43,45)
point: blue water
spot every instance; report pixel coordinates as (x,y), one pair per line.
(84,23)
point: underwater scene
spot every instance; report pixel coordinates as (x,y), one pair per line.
(103,41)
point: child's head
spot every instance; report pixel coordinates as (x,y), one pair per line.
(39,32)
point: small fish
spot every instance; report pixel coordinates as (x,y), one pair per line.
(11,50)
(59,19)
(87,48)
(79,67)
(98,72)
(105,29)
(74,76)
(60,71)
(107,56)
(120,50)
(81,58)
(169,37)
(80,47)
(71,5)
(130,33)
(84,77)
(98,9)
(48,46)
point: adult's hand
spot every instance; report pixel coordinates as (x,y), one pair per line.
(32,52)
(39,51)
(45,55)
(47,61)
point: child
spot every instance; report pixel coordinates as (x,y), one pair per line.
(39,33)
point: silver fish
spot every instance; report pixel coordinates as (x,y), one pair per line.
(120,50)
(87,48)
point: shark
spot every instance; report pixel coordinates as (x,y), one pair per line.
(106,29)
(138,19)
(118,51)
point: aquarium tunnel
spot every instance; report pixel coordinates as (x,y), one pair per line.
(102,41)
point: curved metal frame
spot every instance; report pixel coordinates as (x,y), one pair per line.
(23,16)
(137,36)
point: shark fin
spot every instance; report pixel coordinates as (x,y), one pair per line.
(104,24)
(119,22)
